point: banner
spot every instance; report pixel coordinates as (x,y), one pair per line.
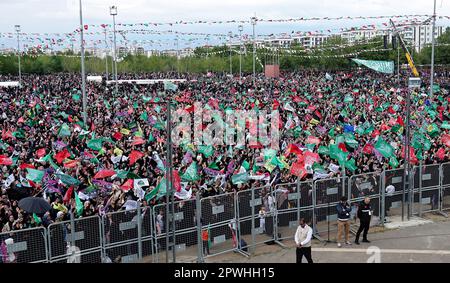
(386,67)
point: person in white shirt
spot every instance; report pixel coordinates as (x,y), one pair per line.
(262,219)
(303,238)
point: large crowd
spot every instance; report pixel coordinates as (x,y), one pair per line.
(329,121)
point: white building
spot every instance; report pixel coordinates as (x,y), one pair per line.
(421,36)
(311,41)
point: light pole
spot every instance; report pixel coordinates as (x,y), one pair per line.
(433,42)
(240,28)
(253,20)
(17,27)
(83,75)
(113,13)
(106,55)
(230,34)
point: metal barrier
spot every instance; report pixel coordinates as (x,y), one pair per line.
(120,236)
(294,201)
(426,188)
(445,186)
(393,201)
(326,195)
(256,217)
(24,246)
(218,217)
(76,241)
(366,185)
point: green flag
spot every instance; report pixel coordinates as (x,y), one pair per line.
(239,178)
(64,131)
(68,180)
(246,165)
(323,150)
(35,175)
(206,150)
(445,125)
(393,162)
(191,174)
(384,148)
(351,165)
(37,219)
(95,144)
(78,205)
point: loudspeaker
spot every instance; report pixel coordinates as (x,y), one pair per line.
(385,40)
(394,43)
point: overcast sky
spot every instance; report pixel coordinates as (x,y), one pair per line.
(62,15)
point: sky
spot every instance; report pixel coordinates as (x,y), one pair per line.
(60,16)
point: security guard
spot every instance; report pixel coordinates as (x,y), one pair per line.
(364,215)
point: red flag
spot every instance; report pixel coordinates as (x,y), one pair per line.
(134,156)
(104,174)
(385,127)
(391,110)
(128,185)
(318,114)
(68,195)
(368,149)
(375,133)
(343,147)
(117,136)
(276,104)
(400,121)
(71,164)
(310,158)
(138,141)
(6,134)
(21,120)
(5,160)
(176,180)
(298,169)
(412,155)
(25,166)
(60,156)
(446,140)
(190,109)
(40,152)
(441,154)
(312,140)
(92,127)
(257,145)
(292,148)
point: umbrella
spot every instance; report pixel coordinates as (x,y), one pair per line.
(34,205)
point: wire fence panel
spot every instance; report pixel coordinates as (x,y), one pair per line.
(186,239)
(365,185)
(219,220)
(426,198)
(24,246)
(159,233)
(79,241)
(328,193)
(147,231)
(121,235)
(394,199)
(445,171)
(296,204)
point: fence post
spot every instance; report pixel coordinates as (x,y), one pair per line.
(198,218)
(252,250)
(315,231)
(103,237)
(420,189)
(46,243)
(72,229)
(298,199)
(441,190)
(383,196)
(139,230)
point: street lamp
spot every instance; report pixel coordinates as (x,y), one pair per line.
(230,35)
(17,28)
(240,28)
(83,74)
(113,13)
(106,54)
(253,21)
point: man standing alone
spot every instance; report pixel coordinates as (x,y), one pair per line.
(303,240)
(364,215)
(343,211)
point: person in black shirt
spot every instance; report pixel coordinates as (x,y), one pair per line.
(364,215)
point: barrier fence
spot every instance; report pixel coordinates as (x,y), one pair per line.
(234,222)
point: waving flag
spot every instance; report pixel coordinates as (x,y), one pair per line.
(384,148)
(134,156)
(104,174)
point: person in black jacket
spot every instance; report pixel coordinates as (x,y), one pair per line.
(364,215)
(343,211)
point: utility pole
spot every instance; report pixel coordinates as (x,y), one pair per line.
(17,27)
(83,74)
(113,12)
(433,43)
(106,55)
(230,35)
(253,21)
(240,28)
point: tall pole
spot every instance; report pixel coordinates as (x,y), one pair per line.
(254,48)
(113,12)
(18,54)
(178,59)
(83,75)
(106,56)
(230,34)
(433,42)
(170,206)
(240,27)
(398,64)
